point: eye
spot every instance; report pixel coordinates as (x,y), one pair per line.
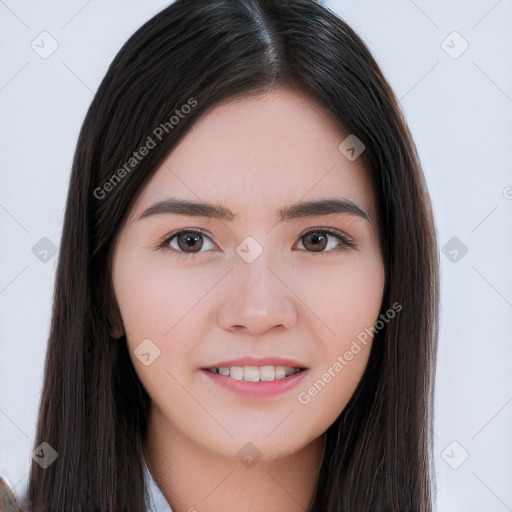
(318,240)
(181,241)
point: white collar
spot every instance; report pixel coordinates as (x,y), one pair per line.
(155,500)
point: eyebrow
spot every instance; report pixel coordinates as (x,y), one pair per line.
(295,211)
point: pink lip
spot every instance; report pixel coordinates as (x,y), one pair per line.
(260,389)
(252,361)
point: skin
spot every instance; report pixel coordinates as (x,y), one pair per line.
(252,155)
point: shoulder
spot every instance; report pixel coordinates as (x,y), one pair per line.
(8,501)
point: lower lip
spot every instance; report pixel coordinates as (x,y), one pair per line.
(260,389)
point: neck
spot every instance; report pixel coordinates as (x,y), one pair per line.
(195,479)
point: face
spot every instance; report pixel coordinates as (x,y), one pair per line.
(255,288)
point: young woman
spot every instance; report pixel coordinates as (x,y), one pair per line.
(245,311)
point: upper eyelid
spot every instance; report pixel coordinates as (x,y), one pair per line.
(168,237)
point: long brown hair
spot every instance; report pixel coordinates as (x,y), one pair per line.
(93,408)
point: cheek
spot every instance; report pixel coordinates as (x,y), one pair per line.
(155,303)
(348,302)
(153,298)
(164,305)
(346,298)
(142,298)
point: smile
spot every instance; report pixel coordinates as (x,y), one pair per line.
(255,382)
(255,373)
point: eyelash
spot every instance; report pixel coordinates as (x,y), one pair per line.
(164,244)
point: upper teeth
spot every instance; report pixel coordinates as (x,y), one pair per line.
(255,373)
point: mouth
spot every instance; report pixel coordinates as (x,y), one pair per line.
(255,373)
(256,382)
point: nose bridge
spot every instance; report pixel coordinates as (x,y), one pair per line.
(255,256)
(256,279)
(256,299)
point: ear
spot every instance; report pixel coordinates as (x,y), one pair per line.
(115,321)
(116,329)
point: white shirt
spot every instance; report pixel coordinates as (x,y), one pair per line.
(155,501)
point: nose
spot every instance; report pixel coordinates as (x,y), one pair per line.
(257,299)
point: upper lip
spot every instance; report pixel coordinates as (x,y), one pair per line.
(263,361)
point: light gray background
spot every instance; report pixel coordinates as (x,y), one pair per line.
(460,114)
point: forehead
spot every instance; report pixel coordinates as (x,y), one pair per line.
(261,152)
